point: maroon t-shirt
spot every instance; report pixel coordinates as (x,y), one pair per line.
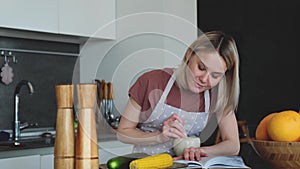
(148,88)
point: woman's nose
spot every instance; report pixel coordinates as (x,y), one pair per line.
(205,78)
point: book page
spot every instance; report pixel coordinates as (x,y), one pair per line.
(191,164)
(224,162)
(216,162)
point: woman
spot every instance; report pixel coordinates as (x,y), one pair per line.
(170,103)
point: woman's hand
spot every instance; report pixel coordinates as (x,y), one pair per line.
(192,154)
(173,128)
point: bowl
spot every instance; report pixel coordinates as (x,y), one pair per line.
(279,154)
(181,143)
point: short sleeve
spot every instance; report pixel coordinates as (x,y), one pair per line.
(138,91)
(144,90)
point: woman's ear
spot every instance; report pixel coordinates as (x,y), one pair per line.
(187,55)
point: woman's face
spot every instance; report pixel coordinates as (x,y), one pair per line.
(204,71)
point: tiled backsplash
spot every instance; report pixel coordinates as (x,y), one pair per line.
(45,65)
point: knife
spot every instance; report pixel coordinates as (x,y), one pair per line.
(104,100)
(110,96)
(99,92)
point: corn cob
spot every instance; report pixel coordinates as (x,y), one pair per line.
(158,161)
(122,162)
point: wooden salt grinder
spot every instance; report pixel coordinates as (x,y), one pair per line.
(64,147)
(86,141)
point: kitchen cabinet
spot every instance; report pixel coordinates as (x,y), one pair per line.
(63,17)
(34,15)
(29,162)
(88,18)
(47,161)
(24,162)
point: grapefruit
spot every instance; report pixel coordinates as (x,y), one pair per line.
(261,132)
(284,126)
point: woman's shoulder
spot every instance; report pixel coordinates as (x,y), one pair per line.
(165,73)
(157,78)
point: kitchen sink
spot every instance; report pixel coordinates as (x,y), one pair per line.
(27,144)
(33,138)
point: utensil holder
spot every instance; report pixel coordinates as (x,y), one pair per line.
(64,147)
(86,141)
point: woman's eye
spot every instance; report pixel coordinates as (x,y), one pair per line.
(201,67)
(216,75)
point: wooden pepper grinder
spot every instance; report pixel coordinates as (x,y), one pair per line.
(64,147)
(86,141)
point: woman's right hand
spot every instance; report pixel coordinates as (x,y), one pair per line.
(173,128)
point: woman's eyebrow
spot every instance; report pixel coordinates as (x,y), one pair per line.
(200,62)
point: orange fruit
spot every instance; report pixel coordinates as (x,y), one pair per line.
(261,132)
(285,126)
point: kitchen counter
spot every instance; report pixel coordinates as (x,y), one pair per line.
(45,137)
(108,144)
(26,152)
(108,147)
(43,158)
(37,147)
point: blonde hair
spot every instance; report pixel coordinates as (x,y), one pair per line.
(225,94)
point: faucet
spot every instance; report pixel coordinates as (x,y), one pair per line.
(17,126)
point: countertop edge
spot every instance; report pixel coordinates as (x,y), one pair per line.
(102,144)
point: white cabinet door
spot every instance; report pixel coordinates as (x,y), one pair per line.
(89,18)
(47,161)
(34,15)
(25,162)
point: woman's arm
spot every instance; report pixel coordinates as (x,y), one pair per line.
(128,132)
(230,144)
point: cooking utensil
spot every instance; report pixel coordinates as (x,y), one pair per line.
(104,101)
(99,92)
(101,95)
(100,86)
(114,120)
(110,96)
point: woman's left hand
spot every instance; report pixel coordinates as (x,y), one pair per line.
(192,154)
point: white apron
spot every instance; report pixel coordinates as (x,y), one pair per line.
(194,121)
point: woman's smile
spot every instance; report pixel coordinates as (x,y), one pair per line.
(198,85)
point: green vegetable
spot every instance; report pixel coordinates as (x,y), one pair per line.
(122,162)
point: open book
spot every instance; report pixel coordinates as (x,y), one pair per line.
(216,162)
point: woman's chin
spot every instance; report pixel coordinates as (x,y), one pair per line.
(197,89)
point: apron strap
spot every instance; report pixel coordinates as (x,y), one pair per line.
(206,100)
(169,86)
(167,89)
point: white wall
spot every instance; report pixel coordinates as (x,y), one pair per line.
(150,34)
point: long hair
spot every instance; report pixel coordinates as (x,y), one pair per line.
(225,94)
